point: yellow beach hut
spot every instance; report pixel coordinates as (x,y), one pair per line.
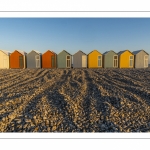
(94,59)
(126,59)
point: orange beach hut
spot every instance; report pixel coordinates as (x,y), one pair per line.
(18,59)
(49,59)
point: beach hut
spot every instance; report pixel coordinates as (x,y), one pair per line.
(18,59)
(110,59)
(126,59)
(94,59)
(4,59)
(80,60)
(34,59)
(64,59)
(49,59)
(140,59)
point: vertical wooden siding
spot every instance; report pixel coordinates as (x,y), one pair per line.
(139,59)
(93,59)
(2,60)
(109,59)
(124,60)
(61,59)
(14,59)
(77,59)
(47,60)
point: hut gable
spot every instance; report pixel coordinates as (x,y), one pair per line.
(35,52)
(94,51)
(138,51)
(64,51)
(121,52)
(21,52)
(95,59)
(79,60)
(48,51)
(80,53)
(111,51)
(6,52)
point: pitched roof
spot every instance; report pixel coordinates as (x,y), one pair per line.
(121,52)
(108,52)
(22,52)
(6,52)
(93,51)
(136,52)
(37,52)
(64,51)
(53,52)
(50,51)
(105,52)
(79,51)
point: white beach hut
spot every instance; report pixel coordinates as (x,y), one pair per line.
(4,59)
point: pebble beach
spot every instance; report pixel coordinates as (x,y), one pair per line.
(75,100)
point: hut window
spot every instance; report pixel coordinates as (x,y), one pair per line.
(145,61)
(115,61)
(37,60)
(131,61)
(68,61)
(99,61)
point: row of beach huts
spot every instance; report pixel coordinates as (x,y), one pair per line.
(95,59)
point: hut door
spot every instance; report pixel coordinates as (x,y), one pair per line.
(131,61)
(37,60)
(99,61)
(68,62)
(145,61)
(115,61)
(4,62)
(53,61)
(21,61)
(84,61)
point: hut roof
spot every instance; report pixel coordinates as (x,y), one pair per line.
(65,51)
(93,51)
(22,52)
(121,52)
(136,52)
(80,51)
(50,51)
(108,52)
(37,52)
(6,52)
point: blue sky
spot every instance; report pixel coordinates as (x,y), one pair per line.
(73,34)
